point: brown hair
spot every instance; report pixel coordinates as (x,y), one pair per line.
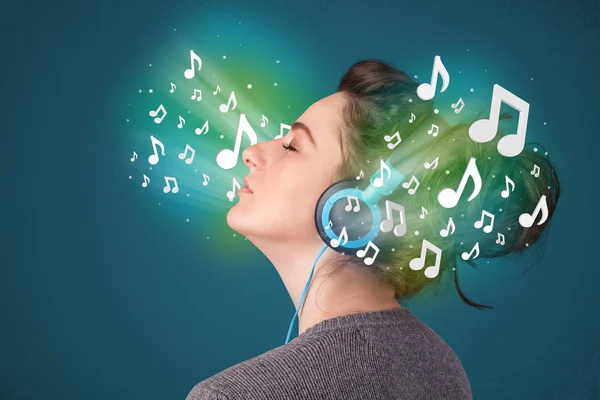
(380,100)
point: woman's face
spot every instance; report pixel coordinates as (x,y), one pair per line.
(286,184)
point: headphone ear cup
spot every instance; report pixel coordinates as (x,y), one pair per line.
(342,218)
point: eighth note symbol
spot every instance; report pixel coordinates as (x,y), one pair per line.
(349,206)
(363,252)
(406,185)
(197,95)
(189,160)
(387,224)
(168,188)
(173,87)
(206,179)
(135,156)
(500,239)
(465,256)
(505,193)
(361,175)
(378,181)
(154,113)
(433,164)
(446,231)
(225,107)
(412,118)
(448,197)
(434,130)
(226,158)
(199,131)
(526,220)
(479,224)
(426,91)
(458,106)
(231,193)
(343,236)
(263,121)
(389,139)
(191,72)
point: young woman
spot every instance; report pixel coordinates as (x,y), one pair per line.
(355,340)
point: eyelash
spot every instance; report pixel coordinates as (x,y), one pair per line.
(289,147)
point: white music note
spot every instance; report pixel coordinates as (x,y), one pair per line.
(484,130)
(389,139)
(423,213)
(536,171)
(168,188)
(135,156)
(173,87)
(433,164)
(465,256)
(199,131)
(146,181)
(217,90)
(378,181)
(406,185)
(206,179)
(191,72)
(446,231)
(263,120)
(434,130)
(363,252)
(226,158)
(154,113)
(526,220)
(181,122)
(225,107)
(500,239)
(189,159)
(349,206)
(329,225)
(426,91)
(231,193)
(153,159)
(448,197)
(418,263)
(479,224)
(343,236)
(412,118)
(387,224)
(458,106)
(361,175)
(282,126)
(505,193)
(197,95)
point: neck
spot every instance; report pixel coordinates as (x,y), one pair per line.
(352,289)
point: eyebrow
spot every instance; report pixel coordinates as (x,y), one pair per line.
(305,128)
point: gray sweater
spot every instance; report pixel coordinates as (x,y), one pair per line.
(388,354)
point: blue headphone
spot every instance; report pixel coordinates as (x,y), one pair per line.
(324,211)
(330,211)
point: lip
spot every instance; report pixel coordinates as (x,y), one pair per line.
(246,187)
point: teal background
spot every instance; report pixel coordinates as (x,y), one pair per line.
(106,294)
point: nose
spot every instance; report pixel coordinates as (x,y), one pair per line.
(250,156)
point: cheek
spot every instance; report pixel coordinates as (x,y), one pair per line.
(293,198)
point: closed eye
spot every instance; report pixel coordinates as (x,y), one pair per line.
(289,147)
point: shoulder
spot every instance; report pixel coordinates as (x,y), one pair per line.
(306,364)
(423,362)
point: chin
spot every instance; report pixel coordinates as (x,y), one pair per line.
(238,220)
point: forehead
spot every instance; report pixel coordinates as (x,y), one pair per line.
(324,119)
